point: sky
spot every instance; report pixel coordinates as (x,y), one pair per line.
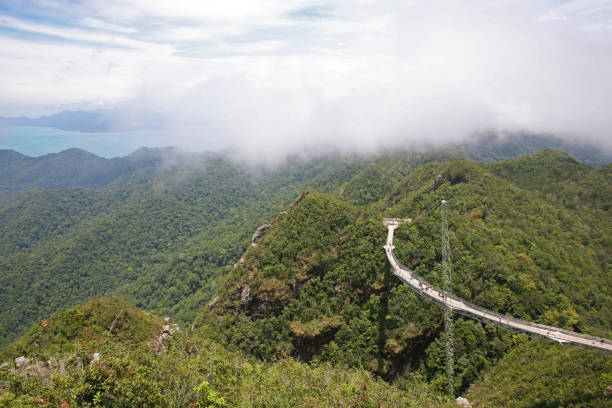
(276,77)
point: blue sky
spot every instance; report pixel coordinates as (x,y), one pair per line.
(301,74)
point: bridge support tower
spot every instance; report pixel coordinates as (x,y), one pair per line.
(448,313)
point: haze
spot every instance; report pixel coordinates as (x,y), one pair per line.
(270,78)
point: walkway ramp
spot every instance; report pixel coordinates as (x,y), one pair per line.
(459,305)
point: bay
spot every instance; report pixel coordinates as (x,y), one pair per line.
(38,141)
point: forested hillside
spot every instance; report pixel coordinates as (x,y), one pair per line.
(530,237)
(110,354)
(160,242)
(317,287)
(72,168)
(160,226)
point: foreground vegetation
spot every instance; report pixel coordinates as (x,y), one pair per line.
(185,371)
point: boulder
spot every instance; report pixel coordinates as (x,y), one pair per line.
(21,362)
(463,402)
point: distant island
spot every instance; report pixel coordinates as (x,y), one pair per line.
(94,121)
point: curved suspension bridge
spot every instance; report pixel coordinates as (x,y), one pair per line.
(459,305)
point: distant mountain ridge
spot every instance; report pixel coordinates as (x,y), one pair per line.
(79,168)
(72,168)
(94,121)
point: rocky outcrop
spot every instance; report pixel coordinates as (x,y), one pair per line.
(240,262)
(244,295)
(212,302)
(259,233)
(22,362)
(437,183)
(159,343)
(95,357)
(463,402)
(300,198)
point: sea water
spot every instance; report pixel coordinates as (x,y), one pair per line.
(37,141)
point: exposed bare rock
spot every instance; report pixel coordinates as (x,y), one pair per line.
(212,302)
(608,390)
(244,295)
(22,362)
(259,233)
(167,331)
(437,182)
(95,357)
(5,364)
(156,344)
(463,402)
(300,198)
(240,262)
(170,329)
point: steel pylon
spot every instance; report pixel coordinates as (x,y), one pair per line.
(448,313)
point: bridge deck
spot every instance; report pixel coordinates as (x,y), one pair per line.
(460,305)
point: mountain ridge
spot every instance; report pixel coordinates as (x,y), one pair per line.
(315,286)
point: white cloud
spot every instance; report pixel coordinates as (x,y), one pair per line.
(357,75)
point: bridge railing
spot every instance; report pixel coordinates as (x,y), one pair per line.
(489,314)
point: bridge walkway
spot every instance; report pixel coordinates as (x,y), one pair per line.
(459,305)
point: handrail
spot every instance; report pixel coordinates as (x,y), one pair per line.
(460,305)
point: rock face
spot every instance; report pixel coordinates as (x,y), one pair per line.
(21,362)
(167,330)
(437,182)
(300,198)
(259,233)
(244,295)
(463,402)
(240,261)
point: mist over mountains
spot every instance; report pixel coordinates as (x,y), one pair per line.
(78,168)
(309,300)
(194,199)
